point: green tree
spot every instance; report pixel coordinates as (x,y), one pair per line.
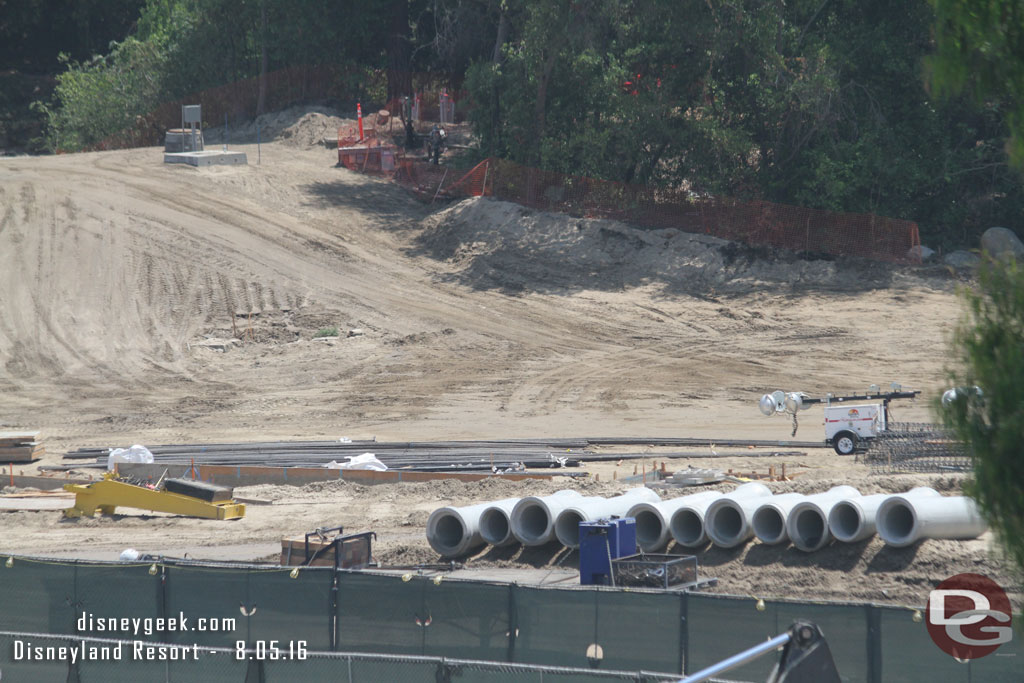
(989,348)
(980,48)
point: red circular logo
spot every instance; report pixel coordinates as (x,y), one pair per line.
(969,616)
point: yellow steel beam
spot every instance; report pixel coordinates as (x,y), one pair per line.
(108,494)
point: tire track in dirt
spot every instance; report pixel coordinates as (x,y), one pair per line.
(228,213)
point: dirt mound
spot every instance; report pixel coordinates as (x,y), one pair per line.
(301,126)
(496,244)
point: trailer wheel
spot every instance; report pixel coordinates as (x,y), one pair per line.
(844,443)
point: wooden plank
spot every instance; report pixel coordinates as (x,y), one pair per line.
(39,451)
(22,481)
(15,438)
(15,456)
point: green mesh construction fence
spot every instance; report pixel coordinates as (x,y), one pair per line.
(221,609)
(44,658)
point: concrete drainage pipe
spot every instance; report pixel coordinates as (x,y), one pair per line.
(903,520)
(807,523)
(853,519)
(495,524)
(455,531)
(567,524)
(653,520)
(769,519)
(727,521)
(687,524)
(533,518)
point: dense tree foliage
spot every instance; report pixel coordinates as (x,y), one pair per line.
(815,102)
(989,343)
(980,48)
(810,102)
(33,35)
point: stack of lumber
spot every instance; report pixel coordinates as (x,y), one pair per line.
(20,447)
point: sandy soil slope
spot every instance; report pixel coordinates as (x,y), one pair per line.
(481,319)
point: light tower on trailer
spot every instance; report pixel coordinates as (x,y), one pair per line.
(846,426)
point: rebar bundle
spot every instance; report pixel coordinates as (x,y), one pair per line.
(917,447)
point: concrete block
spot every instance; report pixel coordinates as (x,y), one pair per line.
(207,158)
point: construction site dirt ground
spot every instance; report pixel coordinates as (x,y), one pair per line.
(478,319)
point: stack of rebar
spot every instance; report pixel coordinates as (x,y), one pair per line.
(415,456)
(431,456)
(917,447)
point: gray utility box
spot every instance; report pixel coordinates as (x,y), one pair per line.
(192,113)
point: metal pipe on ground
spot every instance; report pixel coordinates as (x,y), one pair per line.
(904,520)
(653,519)
(769,519)
(807,523)
(727,519)
(853,519)
(455,531)
(567,524)
(533,518)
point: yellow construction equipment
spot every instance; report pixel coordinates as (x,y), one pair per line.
(193,499)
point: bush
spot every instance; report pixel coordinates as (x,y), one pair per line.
(96,99)
(989,348)
(326,332)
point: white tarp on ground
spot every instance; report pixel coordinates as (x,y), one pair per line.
(366,461)
(136,453)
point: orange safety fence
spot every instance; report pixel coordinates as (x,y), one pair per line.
(754,222)
(757,223)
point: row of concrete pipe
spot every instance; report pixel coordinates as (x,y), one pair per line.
(810,522)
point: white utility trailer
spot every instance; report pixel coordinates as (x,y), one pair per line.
(848,426)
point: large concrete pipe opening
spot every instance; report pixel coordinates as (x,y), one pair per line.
(897,522)
(567,528)
(846,521)
(769,525)
(455,531)
(449,532)
(448,535)
(854,519)
(905,519)
(771,516)
(687,527)
(689,521)
(533,524)
(650,530)
(654,520)
(533,518)
(495,527)
(724,524)
(810,527)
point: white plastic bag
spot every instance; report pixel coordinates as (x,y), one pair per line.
(366,461)
(136,453)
